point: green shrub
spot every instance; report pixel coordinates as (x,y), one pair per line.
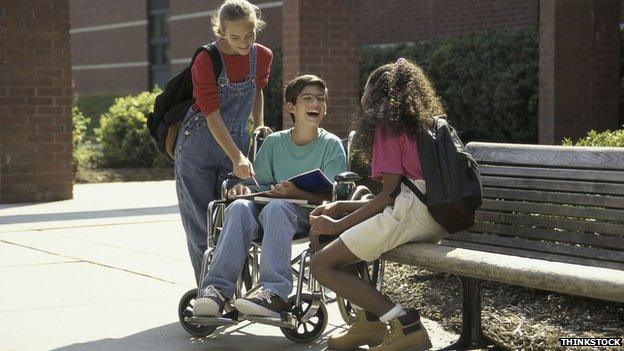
(488,82)
(80,123)
(123,133)
(80,126)
(94,106)
(594,138)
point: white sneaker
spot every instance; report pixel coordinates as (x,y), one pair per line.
(210,304)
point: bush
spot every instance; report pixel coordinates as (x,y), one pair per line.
(594,138)
(123,133)
(80,123)
(488,82)
(93,106)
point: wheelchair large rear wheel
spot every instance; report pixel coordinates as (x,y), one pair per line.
(313,328)
(185,309)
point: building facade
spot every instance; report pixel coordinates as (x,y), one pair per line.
(158,36)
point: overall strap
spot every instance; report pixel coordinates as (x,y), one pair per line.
(252,63)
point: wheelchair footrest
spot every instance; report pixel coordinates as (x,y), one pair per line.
(287,320)
(216,321)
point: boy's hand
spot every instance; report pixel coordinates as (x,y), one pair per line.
(324,225)
(238,189)
(331,209)
(285,189)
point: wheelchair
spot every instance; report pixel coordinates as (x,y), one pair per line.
(307,318)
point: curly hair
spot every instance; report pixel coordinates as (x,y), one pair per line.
(400,98)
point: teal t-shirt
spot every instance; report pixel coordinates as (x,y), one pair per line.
(279,158)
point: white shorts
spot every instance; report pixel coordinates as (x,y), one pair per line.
(408,220)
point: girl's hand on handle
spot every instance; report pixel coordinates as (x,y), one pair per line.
(242,167)
(263,130)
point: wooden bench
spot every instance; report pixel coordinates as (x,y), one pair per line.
(552,218)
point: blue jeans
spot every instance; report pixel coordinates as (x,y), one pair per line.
(280,221)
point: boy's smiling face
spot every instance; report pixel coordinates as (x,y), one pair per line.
(311,106)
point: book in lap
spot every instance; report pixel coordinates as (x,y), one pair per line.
(314,181)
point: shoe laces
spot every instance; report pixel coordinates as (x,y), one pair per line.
(264,294)
(211,291)
(395,328)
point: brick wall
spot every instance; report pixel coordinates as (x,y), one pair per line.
(380,22)
(109,46)
(579,68)
(395,21)
(189,33)
(324,43)
(35,101)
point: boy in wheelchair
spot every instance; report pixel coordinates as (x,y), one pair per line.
(282,155)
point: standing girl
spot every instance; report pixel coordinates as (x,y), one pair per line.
(213,139)
(398,101)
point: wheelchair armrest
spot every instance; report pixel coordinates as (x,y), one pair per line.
(347,177)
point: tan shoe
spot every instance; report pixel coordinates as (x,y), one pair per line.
(405,333)
(366,330)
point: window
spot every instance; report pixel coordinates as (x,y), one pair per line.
(159,58)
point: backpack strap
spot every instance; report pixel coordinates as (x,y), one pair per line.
(215,57)
(414,189)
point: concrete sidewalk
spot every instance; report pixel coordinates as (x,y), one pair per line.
(105,271)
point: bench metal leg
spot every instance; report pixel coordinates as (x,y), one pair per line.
(471,336)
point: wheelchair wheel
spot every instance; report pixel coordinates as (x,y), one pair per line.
(185,309)
(311,330)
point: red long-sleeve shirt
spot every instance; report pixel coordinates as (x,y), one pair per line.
(204,82)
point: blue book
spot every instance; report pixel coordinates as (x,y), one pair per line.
(314,181)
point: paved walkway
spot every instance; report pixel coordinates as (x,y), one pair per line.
(105,271)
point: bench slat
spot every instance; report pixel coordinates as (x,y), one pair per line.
(605,241)
(607,158)
(549,222)
(553,173)
(556,185)
(536,246)
(584,280)
(552,209)
(533,254)
(553,197)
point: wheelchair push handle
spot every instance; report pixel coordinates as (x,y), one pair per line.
(347,177)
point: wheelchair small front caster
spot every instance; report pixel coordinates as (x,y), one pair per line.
(310,330)
(185,309)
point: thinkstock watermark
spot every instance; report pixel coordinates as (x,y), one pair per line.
(590,342)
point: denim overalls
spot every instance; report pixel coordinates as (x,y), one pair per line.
(200,160)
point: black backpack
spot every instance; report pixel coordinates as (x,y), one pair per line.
(171,105)
(451,176)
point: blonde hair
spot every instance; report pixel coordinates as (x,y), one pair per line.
(234,10)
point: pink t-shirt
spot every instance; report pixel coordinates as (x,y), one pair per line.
(395,155)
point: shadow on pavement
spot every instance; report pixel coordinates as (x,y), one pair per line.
(172,337)
(50,217)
